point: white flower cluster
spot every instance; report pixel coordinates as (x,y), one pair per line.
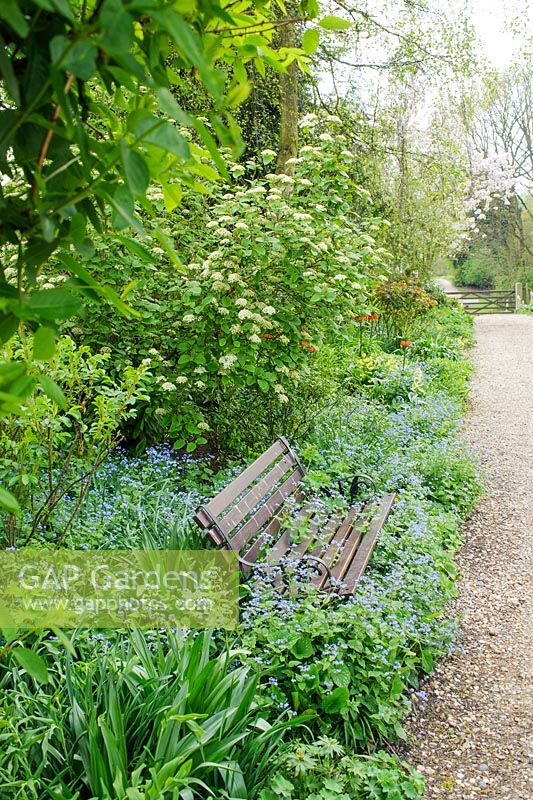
(227,361)
(492,183)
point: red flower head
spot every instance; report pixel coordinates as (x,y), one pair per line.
(303,344)
(405,343)
(268,336)
(312,348)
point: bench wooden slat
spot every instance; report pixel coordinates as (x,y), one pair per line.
(349,549)
(271,530)
(339,535)
(237,486)
(273,504)
(253,552)
(247,503)
(362,557)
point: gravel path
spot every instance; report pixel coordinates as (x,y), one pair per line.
(473,735)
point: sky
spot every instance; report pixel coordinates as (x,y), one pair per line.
(489,18)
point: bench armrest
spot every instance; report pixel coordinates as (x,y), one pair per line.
(355,483)
(268,565)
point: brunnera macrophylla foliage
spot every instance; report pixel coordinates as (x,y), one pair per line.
(286,265)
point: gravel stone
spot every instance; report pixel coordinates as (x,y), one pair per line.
(478,715)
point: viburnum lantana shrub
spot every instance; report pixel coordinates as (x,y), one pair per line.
(290,262)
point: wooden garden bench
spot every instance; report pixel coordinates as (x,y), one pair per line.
(248,516)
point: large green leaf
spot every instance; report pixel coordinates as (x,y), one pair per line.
(8,74)
(117,27)
(33,663)
(11,13)
(49,304)
(44,344)
(153,130)
(333,23)
(337,701)
(53,391)
(79,57)
(136,248)
(135,169)
(310,41)
(190,46)
(8,501)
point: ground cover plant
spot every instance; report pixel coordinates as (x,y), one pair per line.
(331,680)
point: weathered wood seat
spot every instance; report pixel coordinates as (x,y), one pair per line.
(249,516)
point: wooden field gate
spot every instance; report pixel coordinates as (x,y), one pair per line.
(492,301)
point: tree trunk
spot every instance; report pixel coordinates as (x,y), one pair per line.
(288,135)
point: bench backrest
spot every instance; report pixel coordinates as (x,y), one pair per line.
(244,515)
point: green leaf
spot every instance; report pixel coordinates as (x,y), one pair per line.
(135,169)
(8,501)
(282,786)
(63,6)
(44,344)
(337,701)
(37,252)
(52,390)
(152,130)
(396,688)
(427,660)
(310,41)
(190,46)
(123,209)
(6,70)
(333,23)
(48,228)
(78,57)
(11,13)
(210,143)
(8,325)
(78,226)
(65,641)
(33,663)
(167,246)
(172,194)
(50,304)
(303,647)
(88,282)
(169,105)
(9,634)
(117,27)
(238,94)
(342,676)
(137,249)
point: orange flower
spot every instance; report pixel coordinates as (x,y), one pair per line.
(303,344)
(359,318)
(312,348)
(405,343)
(268,336)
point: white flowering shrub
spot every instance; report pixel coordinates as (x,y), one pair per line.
(492,184)
(278,267)
(290,262)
